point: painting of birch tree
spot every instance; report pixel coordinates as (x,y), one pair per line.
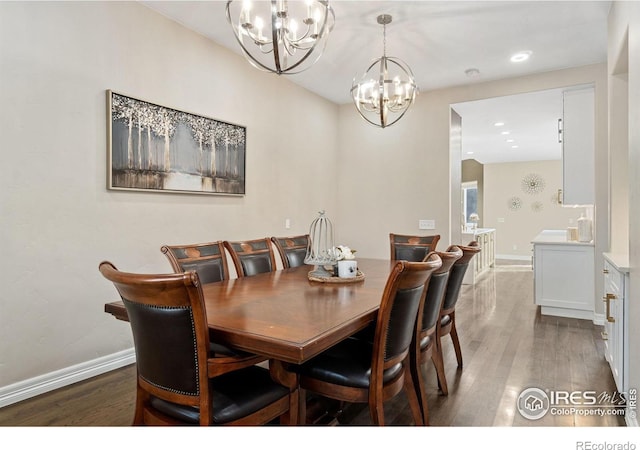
(156,148)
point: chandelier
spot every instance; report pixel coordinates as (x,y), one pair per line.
(281,36)
(387,89)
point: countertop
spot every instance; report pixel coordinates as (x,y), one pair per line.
(478,231)
(556,237)
(619,260)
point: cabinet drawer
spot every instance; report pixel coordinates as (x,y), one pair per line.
(613,280)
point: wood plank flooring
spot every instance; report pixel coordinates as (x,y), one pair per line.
(507,346)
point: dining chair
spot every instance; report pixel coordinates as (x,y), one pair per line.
(426,347)
(251,257)
(447,322)
(364,371)
(292,249)
(207,259)
(412,248)
(179,380)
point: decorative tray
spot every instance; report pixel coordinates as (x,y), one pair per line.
(359,277)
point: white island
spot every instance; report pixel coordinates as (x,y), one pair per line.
(563,275)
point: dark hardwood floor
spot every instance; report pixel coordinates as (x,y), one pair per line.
(507,346)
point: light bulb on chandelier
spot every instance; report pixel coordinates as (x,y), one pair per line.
(387,88)
(281,36)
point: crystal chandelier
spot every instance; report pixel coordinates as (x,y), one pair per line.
(281,36)
(387,89)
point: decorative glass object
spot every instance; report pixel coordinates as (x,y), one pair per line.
(321,250)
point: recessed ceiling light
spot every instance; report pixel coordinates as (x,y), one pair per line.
(510,140)
(499,124)
(505,132)
(521,56)
(469,153)
(514,146)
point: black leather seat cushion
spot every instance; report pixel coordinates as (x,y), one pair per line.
(347,364)
(235,395)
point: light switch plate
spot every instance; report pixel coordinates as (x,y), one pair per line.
(427,224)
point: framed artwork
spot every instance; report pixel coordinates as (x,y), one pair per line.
(159,149)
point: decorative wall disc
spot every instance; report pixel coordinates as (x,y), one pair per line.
(532,184)
(536,206)
(514,203)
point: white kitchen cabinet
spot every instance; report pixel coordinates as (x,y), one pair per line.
(578,146)
(563,271)
(483,261)
(616,326)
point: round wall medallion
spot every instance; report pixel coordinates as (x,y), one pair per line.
(514,203)
(532,184)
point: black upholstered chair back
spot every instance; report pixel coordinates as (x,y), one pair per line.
(292,250)
(165,345)
(436,288)
(252,257)
(433,300)
(412,248)
(400,306)
(208,260)
(170,333)
(456,275)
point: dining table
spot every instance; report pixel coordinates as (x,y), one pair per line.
(287,315)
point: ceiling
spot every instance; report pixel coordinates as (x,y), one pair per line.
(440,40)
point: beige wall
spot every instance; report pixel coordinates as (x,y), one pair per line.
(304,154)
(516,228)
(58,219)
(624,38)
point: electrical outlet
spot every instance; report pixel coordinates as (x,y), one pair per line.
(500,219)
(427,224)
(287,223)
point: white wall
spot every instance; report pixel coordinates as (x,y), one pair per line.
(59,220)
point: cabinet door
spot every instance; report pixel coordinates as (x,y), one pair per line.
(563,276)
(614,322)
(578,147)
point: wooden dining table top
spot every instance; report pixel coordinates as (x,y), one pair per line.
(285,316)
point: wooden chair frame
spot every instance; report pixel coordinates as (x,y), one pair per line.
(403,241)
(241,249)
(285,245)
(430,319)
(183,291)
(404,275)
(185,257)
(452,294)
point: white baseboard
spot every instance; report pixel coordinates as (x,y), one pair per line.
(515,257)
(23,390)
